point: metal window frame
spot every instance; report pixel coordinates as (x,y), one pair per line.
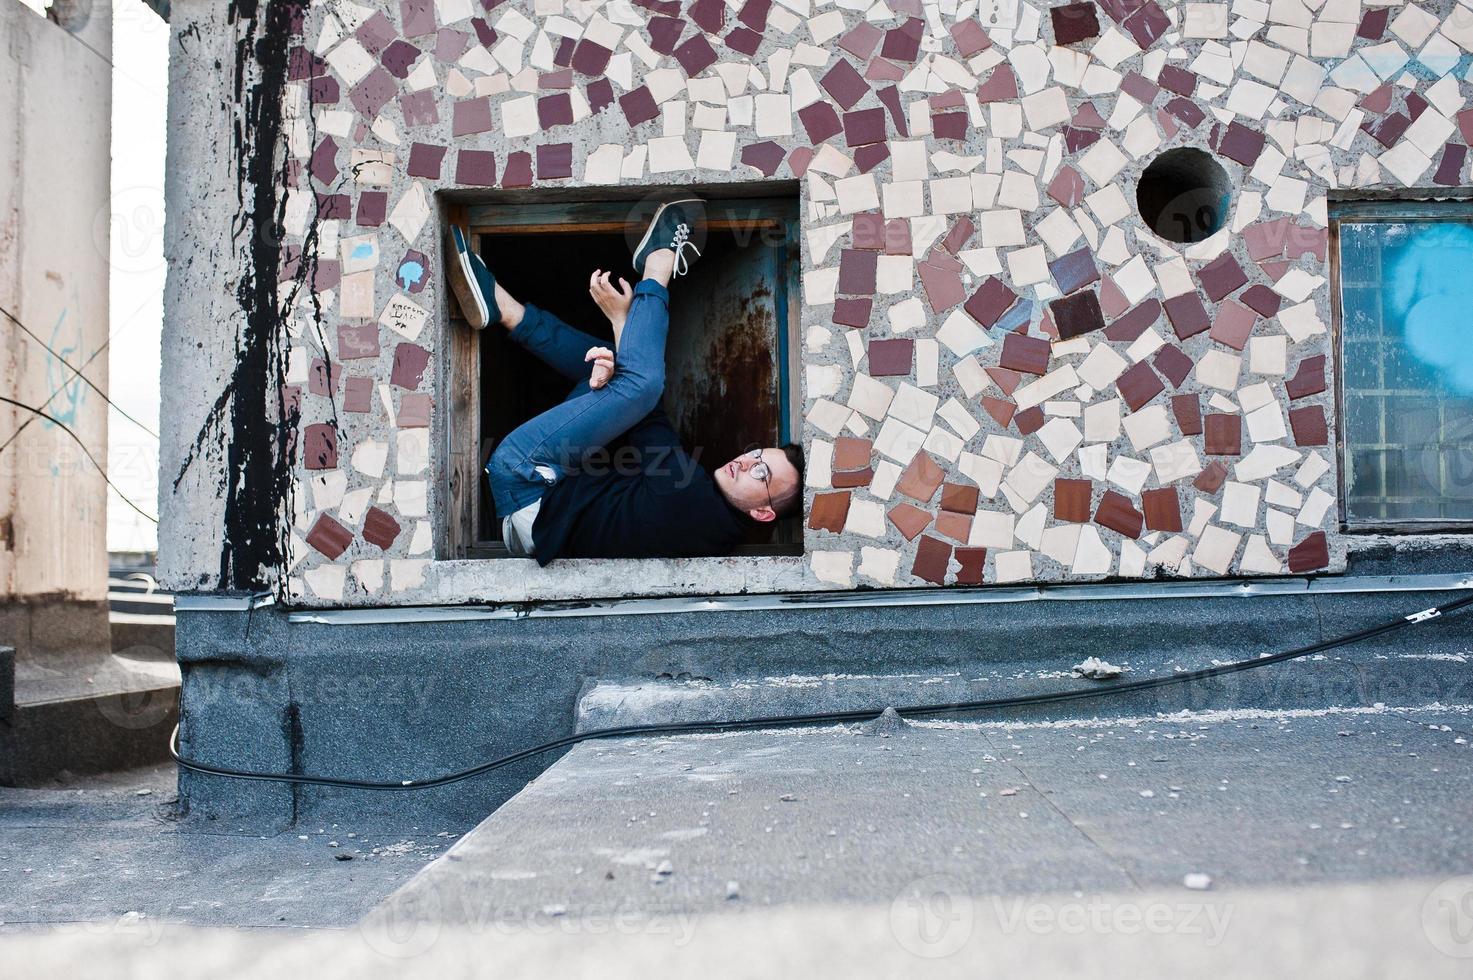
(1408,206)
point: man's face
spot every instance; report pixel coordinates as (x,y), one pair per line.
(739,482)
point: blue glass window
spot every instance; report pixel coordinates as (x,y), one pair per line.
(1405,273)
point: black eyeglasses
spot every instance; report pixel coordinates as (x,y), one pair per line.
(759,469)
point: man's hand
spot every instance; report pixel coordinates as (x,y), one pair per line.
(613,301)
(603,366)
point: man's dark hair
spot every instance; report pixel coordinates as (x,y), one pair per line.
(794,504)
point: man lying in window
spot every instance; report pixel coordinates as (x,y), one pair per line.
(603,475)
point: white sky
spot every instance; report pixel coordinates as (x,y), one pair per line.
(140,86)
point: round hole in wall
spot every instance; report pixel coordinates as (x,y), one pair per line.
(1184,195)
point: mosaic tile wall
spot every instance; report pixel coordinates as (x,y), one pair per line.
(1006,376)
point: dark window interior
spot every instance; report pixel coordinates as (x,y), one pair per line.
(726,363)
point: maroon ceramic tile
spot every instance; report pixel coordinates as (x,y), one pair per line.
(829,511)
(708,15)
(591,58)
(890,358)
(991,300)
(1173,362)
(820,121)
(1261,299)
(334,207)
(1188,412)
(766,156)
(358,394)
(1163,509)
(861,40)
(897,237)
(1139,87)
(1178,80)
(853,478)
(1308,425)
(1117,513)
(1027,354)
(518,170)
(1311,554)
(1147,24)
(958,235)
(857,272)
(320,447)
(555,110)
(1074,22)
(476,168)
(410,361)
(1233,326)
(399,57)
(868,231)
(373,208)
(1029,420)
(1077,139)
(1005,379)
(1241,144)
(1130,326)
(357,342)
(329,537)
(799,159)
(1077,315)
(324,163)
(1138,385)
(419,108)
(1373,24)
(379,528)
(851,453)
(1223,434)
(665,33)
(949,125)
(471,116)
(889,97)
(414,410)
(1450,167)
(320,380)
(1000,409)
(850,311)
(1001,85)
(743,40)
(903,43)
(1186,110)
(921,478)
(1067,187)
(1221,276)
(696,55)
(958,527)
(1187,315)
(373,93)
(1378,100)
(600,95)
(972,561)
(959,498)
(864,127)
(754,14)
(943,287)
(1211,478)
(450,44)
(560,80)
(639,106)
(555,161)
(1075,271)
(1072,500)
(845,84)
(909,519)
(933,558)
(969,37)
(1308,379)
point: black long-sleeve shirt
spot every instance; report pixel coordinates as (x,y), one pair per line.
(660,503)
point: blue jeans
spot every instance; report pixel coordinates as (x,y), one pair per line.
(556,441)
